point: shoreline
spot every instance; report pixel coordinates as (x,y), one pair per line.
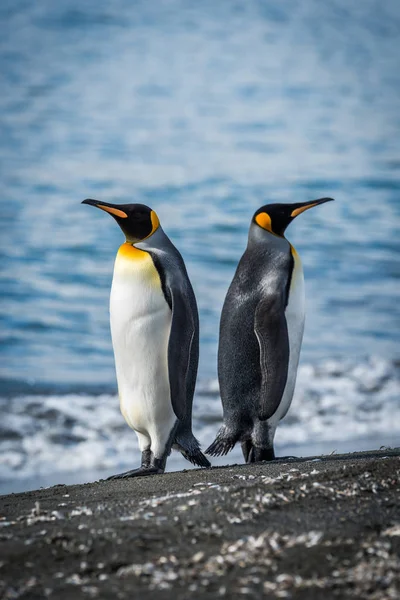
(176,463)
(315,527)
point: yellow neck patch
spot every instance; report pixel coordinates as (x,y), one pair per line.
(129,252)
(137,264)
(264,221)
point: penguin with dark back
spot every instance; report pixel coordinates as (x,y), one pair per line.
(155,334)
(261,332)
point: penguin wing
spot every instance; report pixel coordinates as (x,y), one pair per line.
(183,337)
(271,330)
(183,329)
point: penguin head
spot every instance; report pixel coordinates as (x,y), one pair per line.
(276,217)
(137,221)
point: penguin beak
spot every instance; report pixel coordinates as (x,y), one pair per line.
(110,208)
(302,206)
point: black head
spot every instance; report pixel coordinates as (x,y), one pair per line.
(137,221)
(276,217)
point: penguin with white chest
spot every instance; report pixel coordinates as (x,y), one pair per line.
(261,332)
(155,335)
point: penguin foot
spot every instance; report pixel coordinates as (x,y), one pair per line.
(287,457)
(257,454)
(247,449)
(141,472)
(150,466)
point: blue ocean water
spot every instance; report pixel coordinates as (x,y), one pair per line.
(204,111)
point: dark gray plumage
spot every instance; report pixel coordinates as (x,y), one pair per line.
(261,331)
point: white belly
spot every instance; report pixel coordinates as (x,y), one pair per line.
(295,315)
(140,327)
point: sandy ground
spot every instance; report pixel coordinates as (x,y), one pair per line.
(305,529)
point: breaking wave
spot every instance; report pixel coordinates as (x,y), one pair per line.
(338,405)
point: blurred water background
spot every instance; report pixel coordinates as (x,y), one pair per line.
(204,111)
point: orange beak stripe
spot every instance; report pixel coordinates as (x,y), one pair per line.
(113,211)
(298,211)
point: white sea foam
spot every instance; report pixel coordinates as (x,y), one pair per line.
(338,405)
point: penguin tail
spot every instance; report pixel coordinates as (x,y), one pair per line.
(223,443)
(190,449)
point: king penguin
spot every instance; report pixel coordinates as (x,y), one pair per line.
(261,332)
(155,336)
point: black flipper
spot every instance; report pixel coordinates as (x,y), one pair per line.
(271,330)
(183,343)
(179,350)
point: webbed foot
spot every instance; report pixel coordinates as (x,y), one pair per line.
(150,466)
(141,472)
(261,454)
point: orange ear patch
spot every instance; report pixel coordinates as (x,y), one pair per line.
(113,211)
(298,211)
(155,221)
(264,221)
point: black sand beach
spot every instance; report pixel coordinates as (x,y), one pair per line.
(309,529)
